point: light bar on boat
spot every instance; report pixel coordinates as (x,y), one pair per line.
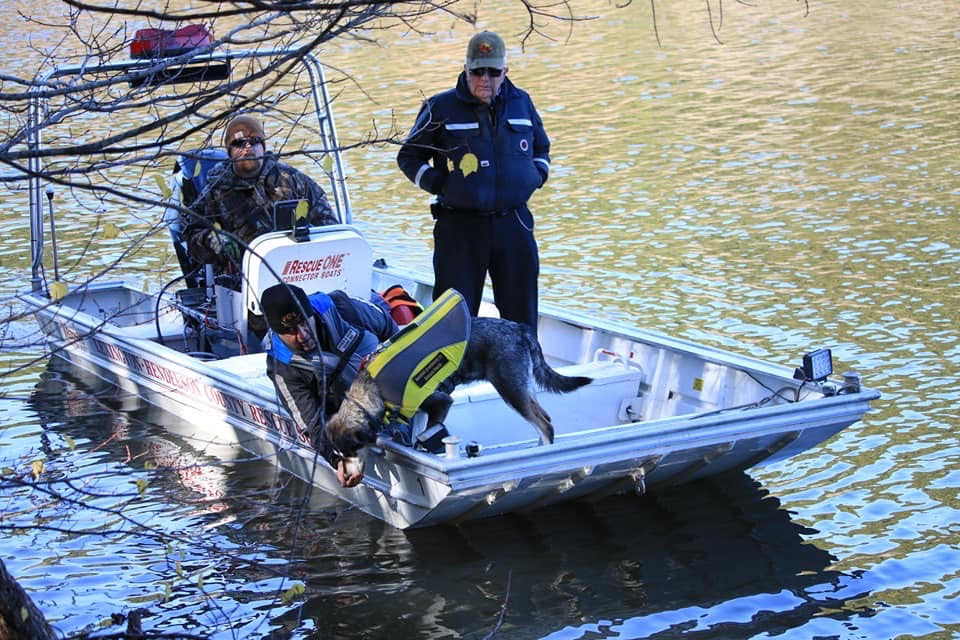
(817,365)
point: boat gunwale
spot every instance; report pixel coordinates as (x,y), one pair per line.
(674,424)
(673,434)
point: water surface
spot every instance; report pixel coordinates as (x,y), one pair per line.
(795,187)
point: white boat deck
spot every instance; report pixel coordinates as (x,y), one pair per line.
(252,368)
(479,413)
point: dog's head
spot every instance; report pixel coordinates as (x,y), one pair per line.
(359,418)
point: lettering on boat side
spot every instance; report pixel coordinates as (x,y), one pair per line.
(286,429)
(330,266)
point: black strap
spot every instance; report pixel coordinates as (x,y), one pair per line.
(347,353)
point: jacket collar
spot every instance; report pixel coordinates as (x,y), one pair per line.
(279,349)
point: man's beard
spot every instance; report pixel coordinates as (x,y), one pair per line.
(248,166)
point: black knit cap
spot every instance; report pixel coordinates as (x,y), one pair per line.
(282,304)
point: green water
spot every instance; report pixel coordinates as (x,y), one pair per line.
(795,187)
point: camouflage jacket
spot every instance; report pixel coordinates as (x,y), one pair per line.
(244,206)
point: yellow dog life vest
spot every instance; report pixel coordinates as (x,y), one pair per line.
(411,365)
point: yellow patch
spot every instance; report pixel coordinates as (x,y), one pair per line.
(468,164)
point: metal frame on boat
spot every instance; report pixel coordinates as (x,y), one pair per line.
(660,410)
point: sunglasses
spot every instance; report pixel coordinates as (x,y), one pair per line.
(242,142)
(290,323)
(486,71)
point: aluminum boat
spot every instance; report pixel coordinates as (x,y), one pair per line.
(660,410)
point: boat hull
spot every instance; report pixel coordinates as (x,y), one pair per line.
(232,403)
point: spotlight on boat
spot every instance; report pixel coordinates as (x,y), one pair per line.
(817,366)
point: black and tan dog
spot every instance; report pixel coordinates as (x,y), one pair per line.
(502,352)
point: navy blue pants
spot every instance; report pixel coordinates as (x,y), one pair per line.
(467,246)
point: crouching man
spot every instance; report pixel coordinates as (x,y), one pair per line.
(315,354)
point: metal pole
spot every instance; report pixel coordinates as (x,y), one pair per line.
(36,206)
(53,234)
(321,101)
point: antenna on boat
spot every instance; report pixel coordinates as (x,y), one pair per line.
(53,233)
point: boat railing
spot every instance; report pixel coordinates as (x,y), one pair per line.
(140,71)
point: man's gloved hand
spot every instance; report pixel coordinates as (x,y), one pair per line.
(224,245)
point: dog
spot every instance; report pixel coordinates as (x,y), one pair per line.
(505,353)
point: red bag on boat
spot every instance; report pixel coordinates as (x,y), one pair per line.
(164,43)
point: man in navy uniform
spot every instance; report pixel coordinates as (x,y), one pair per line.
(482,150)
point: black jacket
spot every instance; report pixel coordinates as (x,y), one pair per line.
(311,386)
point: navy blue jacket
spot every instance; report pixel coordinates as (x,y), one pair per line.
(510,149)
(302,380)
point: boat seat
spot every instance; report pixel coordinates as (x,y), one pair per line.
(599,403)
(194,168)
(188,182)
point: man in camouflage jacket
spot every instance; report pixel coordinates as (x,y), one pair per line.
(238,202)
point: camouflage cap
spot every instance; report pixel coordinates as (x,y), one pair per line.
(486,49)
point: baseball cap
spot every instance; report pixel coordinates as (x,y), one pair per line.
(486,49)
(282,304)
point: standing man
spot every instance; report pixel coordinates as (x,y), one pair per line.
(238,202)
(318,344)
(482,150)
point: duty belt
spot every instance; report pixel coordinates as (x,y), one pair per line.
(439,209)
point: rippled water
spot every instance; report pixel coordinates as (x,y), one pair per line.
(797,186)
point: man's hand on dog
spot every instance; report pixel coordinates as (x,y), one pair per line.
(345,478)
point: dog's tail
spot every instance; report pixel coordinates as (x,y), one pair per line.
(546,377)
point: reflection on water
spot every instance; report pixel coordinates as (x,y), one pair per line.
(796,187)
(704,552)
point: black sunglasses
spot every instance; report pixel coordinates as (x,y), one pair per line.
(488,71)
(290,323)
(241,142)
